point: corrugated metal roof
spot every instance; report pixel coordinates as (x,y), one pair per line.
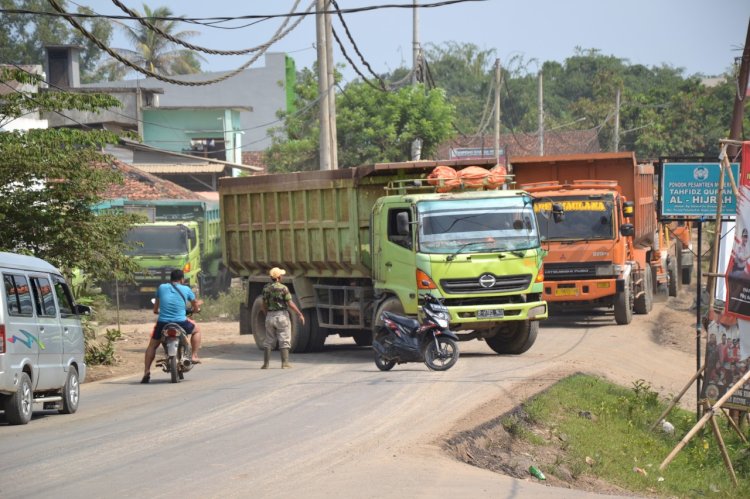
(175,168)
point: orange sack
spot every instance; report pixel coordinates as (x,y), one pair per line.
(444,178)
(473,177)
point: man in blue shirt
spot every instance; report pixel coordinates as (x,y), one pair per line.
(171,303)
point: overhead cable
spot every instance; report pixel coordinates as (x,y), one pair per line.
(145,22)
(280,33)
(235,18)
(354,45)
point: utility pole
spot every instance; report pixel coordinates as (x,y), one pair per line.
(497,112)
(541,115)
(616,139)
(325,110)
(331,79)
(416,74)
(735,131)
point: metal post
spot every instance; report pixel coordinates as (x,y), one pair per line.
(699,381)
(541,114)
(617,122)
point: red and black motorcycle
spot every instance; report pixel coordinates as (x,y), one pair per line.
(402,339)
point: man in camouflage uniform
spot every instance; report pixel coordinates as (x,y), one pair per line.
(276,303)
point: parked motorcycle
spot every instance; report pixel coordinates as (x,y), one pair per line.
(403,339)
(176,345)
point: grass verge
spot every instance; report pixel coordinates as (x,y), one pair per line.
(585,431)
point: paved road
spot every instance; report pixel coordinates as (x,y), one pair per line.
(333,426)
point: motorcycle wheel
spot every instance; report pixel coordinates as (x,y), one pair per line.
(173,369)
(441,356)
(382,363)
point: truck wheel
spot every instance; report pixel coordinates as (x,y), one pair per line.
(300,332)
(645,302)
(514,337)
(18,405)
(686,273)
(623,305)
(258,322)
(363,338)
(245,326)
(317,334)
(672,274)
(391,304)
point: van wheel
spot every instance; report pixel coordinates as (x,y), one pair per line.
(18,406)
(71,393)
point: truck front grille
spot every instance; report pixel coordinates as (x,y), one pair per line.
(571,271)
(487,283)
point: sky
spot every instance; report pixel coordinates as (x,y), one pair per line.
(700,36)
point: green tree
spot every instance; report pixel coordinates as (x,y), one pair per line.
(372,125)
(151,50)
(50,178)
(23,36)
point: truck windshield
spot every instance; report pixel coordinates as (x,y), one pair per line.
(158,240)
(585,219)
(480,225)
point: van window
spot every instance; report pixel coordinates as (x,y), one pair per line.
(17,295)
(64,298)
(43,297)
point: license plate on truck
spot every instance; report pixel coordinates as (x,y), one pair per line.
(566,292)
(148,289)
(490,314)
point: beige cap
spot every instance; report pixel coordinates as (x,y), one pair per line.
(276,272)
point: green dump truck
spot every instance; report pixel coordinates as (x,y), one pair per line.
(357,241)
(180,234)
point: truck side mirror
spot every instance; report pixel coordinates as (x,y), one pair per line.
(402,223)
(558,214)
(628,208)
(627,230)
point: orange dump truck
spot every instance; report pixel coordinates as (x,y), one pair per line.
(610,250)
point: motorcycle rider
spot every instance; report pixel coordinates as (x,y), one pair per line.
(170,304)
(276,303)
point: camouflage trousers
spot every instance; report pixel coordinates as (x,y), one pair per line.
(278,327)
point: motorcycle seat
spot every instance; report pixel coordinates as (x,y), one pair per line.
(407,322)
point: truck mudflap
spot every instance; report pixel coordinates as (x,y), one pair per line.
(471,315)
(579,291)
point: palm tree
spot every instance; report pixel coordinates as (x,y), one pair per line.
(153,51)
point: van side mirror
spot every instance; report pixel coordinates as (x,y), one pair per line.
(82,310)
(558,213)
(627,230)
(402,223)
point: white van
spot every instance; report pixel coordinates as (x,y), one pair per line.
(41,339)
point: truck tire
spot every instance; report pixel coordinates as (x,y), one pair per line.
(363,338)
(258,326)
(686,273)
(672,274)
(624,305)
(317,338)
(245,327)
(391,304)
(514,337)
(301,332)
(645,301)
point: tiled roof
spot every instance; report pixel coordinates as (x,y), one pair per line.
(140,185)
(181,168)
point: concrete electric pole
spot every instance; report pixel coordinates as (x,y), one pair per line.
(497,111)
(325,110)
(416,74)
(541,114)
(331,91)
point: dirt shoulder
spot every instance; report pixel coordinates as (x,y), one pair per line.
(218,337)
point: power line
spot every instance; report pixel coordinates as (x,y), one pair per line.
(145,22)
(236,18)
(280,33)
(354,45)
